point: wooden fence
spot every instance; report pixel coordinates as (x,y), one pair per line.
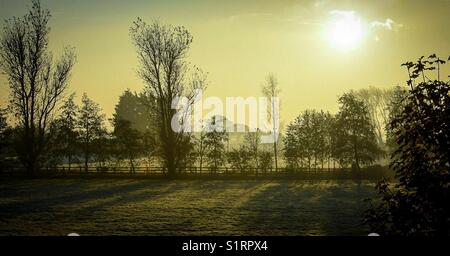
(65,171)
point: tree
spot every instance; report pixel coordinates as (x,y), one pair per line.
(292,150)
(397,101)
(252,141)
(214,144)
(162,51)
(37,84)
(127,142)
(134,108)
(417,204)
(66,131)
(308,140)
(240,159)
(91,128)
(3,128)
(271,90)
(355,137)
(265,161)
(3,135)
(376,101)
(149,147)
(200,145)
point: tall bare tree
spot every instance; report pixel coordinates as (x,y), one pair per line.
(376,100)
(162,51)
(271,90)
(36,82)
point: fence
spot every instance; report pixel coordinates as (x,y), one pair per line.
(64,171)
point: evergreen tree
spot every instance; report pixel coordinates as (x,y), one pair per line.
(91,128)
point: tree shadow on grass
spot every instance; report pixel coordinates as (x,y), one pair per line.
(306,208)
(80,192)
(117,206)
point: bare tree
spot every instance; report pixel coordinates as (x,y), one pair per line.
(36,83)
(376,100)
(271,90)
(162,51)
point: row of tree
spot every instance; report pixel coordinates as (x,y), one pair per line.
(315,139)
(45,134)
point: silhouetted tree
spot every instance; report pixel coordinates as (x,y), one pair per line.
(127,142)
(376,101)
(149,145)
(308,140)
(292,151)
(397,101)
(271,90)
(3,136)
(355,137)
(200,147)
(240,159)
(103,152)
(418,203)
(134,108)
(3,127)
(36,83)
(252,141)
(214,144)
(91,129)
(162,53)
(265,161)
(329,139)
(66,131)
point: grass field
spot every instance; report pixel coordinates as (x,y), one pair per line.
(182,207)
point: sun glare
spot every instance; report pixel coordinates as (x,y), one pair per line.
(345,30)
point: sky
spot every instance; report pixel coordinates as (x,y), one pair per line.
(317,49)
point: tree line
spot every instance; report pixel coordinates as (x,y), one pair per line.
(51,130)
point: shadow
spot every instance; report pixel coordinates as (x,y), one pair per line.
(182,207)
(45,197)
(307,208)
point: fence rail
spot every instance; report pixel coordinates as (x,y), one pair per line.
(64,171)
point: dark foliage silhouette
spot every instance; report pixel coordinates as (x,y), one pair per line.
(419,203)
(308,140)
(127,142)
(92,131)
(66,144)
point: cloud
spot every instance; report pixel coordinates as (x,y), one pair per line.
(346,14)
(388,24)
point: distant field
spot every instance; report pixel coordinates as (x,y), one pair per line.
(182,207)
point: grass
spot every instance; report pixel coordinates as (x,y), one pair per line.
(182,207)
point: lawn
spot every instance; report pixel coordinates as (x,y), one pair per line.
(182,207)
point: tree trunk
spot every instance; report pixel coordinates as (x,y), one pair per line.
(86,159)
(276,155)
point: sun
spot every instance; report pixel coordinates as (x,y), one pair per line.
(345,30)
